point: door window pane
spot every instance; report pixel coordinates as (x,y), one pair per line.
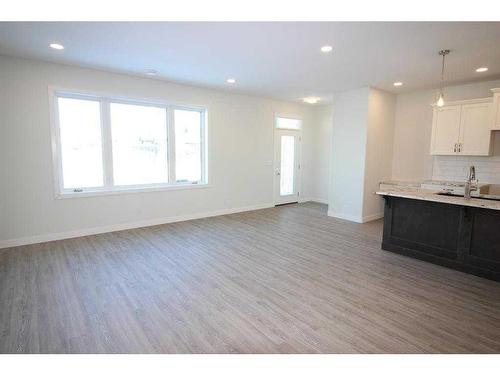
(287,164)
(288,123)
(81,147)
(139,139)
(188,130)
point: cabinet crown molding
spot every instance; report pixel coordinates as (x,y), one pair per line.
(467,101)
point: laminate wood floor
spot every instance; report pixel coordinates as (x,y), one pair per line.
(280,280)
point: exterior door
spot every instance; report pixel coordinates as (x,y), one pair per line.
(286,166)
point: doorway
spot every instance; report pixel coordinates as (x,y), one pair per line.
(286,164)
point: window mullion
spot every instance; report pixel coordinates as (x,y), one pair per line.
(100,114)
(171,145)
(107,143)
(203,146)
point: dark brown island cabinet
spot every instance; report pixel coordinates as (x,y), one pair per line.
(460,237)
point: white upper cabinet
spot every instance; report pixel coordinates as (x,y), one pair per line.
(462,128)
(475,129)
(496,109)
(445,130)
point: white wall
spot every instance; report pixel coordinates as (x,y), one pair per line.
(412,136)
(348,147)
(362,145)
(240,144)
(322,143)
(379,150)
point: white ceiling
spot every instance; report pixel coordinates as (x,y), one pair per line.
(279,60)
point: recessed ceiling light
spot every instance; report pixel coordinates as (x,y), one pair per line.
(311,100)
(150,72)
(326,49)
(482,69)
(398,83)
(230,80)
(56,46)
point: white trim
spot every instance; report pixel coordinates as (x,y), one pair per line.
(465,101)
(170,145)
(356,219)
(317,200)
(288,117)
(376,216)
(299,174)
(107,144)
(152,101)
(55,139)
(108,187)
(117,190)
(204,147)
(124,226)
(337,215)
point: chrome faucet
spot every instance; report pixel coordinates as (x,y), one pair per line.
(471,183)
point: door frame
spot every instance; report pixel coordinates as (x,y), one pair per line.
(299,148)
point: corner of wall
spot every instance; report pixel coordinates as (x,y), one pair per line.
(379,149)
(348,153)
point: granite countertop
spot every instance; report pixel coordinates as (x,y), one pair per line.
(444,183)
(415,184)
(432,196)
(449,183)
(418,184)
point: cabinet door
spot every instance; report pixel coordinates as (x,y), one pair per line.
(496,111)
(445,130)
(481,239)
(475,129)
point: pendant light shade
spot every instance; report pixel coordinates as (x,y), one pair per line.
(440,99)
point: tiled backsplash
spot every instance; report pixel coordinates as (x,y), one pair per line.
(456,168)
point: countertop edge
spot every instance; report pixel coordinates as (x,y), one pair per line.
(431,196)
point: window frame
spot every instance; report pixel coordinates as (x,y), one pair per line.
(108,187)
(288,117)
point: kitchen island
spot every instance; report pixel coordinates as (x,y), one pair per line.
(451,231)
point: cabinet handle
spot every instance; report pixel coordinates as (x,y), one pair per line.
(459,147)
(455,148)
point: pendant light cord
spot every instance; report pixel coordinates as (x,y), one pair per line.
(442,72)
(443,53)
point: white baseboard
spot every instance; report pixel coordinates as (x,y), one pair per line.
(356,219)
(317,200)
(131,225)
(373,217)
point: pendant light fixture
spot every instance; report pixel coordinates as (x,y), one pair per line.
(440,99)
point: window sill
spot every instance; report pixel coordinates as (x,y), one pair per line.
(130,190)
